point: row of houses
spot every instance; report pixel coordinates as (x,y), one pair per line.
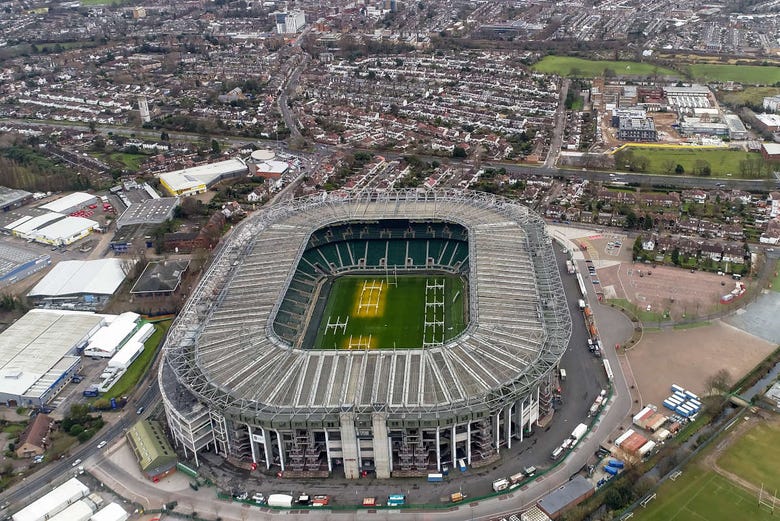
(733,252)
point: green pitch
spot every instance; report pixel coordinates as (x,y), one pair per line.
(755,457)
(700,495)
(365,312)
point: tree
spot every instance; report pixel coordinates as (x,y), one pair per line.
(679,169)
(676,256)
(215,147)
(719,382)
(164,136)
(637,248)
(668,166)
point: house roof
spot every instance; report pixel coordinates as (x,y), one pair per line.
(160,277)
(36,431)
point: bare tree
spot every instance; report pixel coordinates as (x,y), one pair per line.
(719,383)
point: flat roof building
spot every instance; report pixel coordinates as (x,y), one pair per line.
(198,179)
(566,496)
(12,198)
(111,512)
(54,502)
(38,354)
(70,203)
(151,211)
(17,263)
(85,285)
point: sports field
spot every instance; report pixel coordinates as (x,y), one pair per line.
(570,66)
(748,74)
(722,162)
(755,457)
(377,312)
(701,495)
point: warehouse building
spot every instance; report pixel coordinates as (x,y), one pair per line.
(39,354)
(54,502)
(12,198)
(83,285)
(111,512)
(150,211)
(70,203)
(17,264)
(198,179)
(152,450)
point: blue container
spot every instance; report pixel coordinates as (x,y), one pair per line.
(616,463)
(611,470)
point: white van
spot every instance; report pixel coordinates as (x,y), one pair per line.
(562,372)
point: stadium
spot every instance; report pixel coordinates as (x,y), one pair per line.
(266,366)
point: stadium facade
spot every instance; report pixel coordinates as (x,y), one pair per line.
(237,377)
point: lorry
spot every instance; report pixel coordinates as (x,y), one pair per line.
(578,432)
(435,478)
(500,484)
(581,303)
(280,500)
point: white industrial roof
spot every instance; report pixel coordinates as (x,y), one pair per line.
(109,337)
(36,343)
(203,174)
(97,277)
(37,222)
(111,512)
(64,204)
(66,228)
(274,167)
(78,511)
(54,500)
(122,358)
(22,219)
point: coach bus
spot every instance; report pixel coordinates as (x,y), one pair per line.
(396,500)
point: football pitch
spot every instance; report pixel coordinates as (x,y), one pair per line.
(404,312)
(700,495)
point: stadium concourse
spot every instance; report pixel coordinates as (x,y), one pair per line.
(239,377)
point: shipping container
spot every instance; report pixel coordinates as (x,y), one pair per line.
(280,500)
(691,395)
(677,388)
(610,470)
(396,500)
(616,463)
(435,478)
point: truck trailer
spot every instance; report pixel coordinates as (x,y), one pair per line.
(280,500)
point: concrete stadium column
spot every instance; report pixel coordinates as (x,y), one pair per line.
(251,443)
(382,453)
(453,445)
(497,428)
(390,452)
(281,448)
(327,451)
(266,448)
(438,450)
(349,445)
(520,412)
(508,425)
(468,442)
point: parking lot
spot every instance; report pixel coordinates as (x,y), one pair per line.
(665,291)
(689,357)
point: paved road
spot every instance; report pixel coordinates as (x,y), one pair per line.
(560,124)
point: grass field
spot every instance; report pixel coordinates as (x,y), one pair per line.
(748,74)
(376,315)
(131,162)
(700,495)
(722,162)
(749,95)
(755,457)
(569,66)
(776,279)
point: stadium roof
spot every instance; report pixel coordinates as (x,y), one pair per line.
(519,321)
(95,277)
(74,200)
(35,345)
